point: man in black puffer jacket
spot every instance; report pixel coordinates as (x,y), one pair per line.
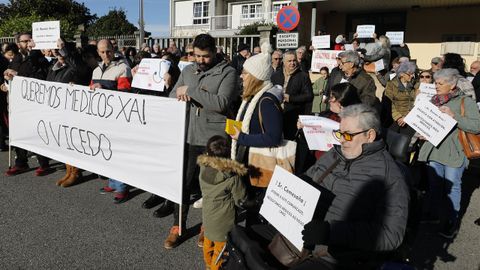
(368,213)
(298,93)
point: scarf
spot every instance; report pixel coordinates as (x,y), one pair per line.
(439,100)
(248,114)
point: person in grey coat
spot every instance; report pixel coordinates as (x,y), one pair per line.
(368,209)
(209,87)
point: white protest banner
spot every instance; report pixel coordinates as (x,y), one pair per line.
(365,31)
(150,74)
(289,204)
(379,65)
(136,139)
(426,92)
(324,58)
(287,40)
(321,42)
(430,122)
(45,34)
(396,37)
(393,75)
(319,132)
(183,64)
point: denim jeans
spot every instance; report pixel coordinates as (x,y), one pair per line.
(117,185)
(445,181)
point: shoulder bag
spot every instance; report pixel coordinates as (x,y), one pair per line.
(469,141)
(262,160)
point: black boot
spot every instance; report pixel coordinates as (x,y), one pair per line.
(165,209)
(152,201)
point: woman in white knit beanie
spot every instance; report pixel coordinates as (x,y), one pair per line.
(261,116)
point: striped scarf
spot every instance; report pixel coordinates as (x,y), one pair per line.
(439,100)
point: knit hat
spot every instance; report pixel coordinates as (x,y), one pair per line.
(260,65)
(340,39)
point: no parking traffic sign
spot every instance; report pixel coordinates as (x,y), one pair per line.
(288,18)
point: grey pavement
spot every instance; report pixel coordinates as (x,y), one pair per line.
(43,226)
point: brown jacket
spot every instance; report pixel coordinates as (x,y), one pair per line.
(402,98)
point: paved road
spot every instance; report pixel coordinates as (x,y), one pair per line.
(43,226)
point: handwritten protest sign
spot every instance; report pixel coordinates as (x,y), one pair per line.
(430,122)
(321,42)
(150,74)
(379,65)
(136,139)
(426,92)
(396,37)
(46,34)
(348,47)
(365,31)
(319,132)
(324,58)
(289,204)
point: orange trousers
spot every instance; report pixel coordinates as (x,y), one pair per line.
(211,252)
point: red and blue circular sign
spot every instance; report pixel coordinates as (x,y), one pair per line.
(288,18)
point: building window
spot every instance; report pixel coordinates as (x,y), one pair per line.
(200,12)
(252,11)
(276,8)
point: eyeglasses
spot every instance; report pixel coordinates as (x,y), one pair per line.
(277,58)
(24,41)
(343,63)
(435,63)
(190,53)
(425,77)
(347,136)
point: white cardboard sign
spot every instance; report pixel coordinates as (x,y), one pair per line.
(348,47)
(396,37)
(46,34)
(124,136)
(289,204)
(287,40)
(365,31)
(426,92)
(379,65)
(324,58)
(321,42)
(319,132)
(150,74)
(183,64)
(430,122)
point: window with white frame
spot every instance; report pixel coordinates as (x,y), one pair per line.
(252,11)
(200,12)
(277,6)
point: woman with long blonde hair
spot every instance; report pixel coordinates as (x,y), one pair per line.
(261,116)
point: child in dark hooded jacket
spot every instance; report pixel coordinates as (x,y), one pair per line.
(222,189)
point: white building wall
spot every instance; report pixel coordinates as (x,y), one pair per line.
(183,13)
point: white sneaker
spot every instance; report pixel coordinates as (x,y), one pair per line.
(198,204)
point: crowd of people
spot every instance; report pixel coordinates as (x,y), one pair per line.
(366,204)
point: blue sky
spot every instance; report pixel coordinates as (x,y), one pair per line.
(155,14)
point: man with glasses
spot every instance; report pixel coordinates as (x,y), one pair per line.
(32,64)
(277,57)
(352,72)
(368,209)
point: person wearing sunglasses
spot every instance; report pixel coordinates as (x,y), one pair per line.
(369,196)
(425,77)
